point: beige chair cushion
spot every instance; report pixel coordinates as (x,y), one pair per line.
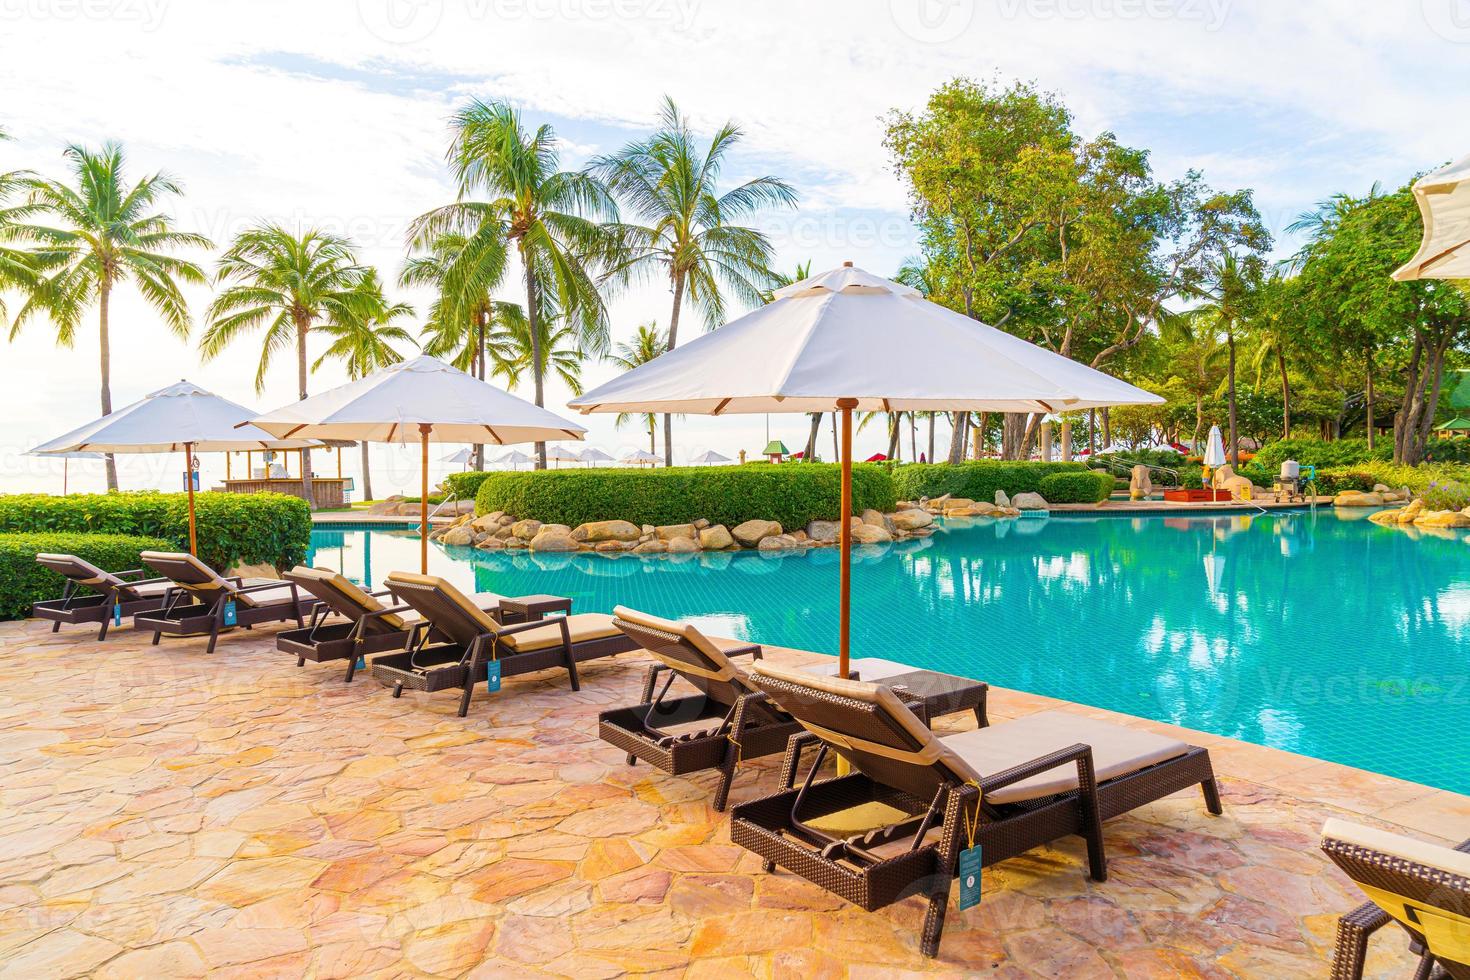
(1446,859)
(350,591)
(1116,751)
(216,583)
(469,605)
(867,668)
(95,575)
(582,627)
(722,668)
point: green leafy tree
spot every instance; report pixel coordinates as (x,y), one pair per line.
(648,343)
(287,285)
(1275,331)
(555,220)
(1229,302)
(18,266)
(362,340)
(691,234)
(95,233)
(513,354)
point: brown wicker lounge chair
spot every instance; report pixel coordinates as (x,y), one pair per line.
(726,720)
(200,601)
(94,596)
(896,825)
(350,623)
(1425,888)
(472,639)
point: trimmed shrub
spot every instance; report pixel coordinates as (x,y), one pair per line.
(465,485)
(23,581)
(729,495)
(975,481)
(232,528)
(1091,487)
(1322,454)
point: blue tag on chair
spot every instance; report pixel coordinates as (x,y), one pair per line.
(230,618)
(492,676)
(117,614)
(361,664)
(969,877)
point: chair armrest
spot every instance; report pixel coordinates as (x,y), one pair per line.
(752,650)
(791,762)
(522,627)
(1353,932)
(265,585)
(1078,754)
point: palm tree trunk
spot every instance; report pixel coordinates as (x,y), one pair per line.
(673,338)
(1285,394)
(811,439)
(893,435)
(105,343)
(533,320)
(1368,367)
(836,453)
(480,373)
(1199,423)
(653,435)
(931,437)
(913,439)
(367,476)
(957,436)
(302,327)
(1234,446)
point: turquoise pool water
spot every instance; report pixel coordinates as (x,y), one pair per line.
(1308,632)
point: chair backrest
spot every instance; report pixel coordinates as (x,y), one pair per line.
(343,596)
(685,650)
(1425,887)
(192,575)
(452,613)
(79,571)
(868,726)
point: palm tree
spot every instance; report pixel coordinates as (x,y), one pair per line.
(689,235)
(18,267)
(551,216)
(646,345)
(362,339)
(1273,333)
(1228,304)
(287,284)
(104,233)
(1195,354)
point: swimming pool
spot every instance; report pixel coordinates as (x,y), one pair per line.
(1311,632)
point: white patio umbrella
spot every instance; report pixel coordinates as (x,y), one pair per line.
(560,454)
(1214,448)
(424,397)
(461,458)
(812,350)
(1444,204)
(708,458)
(513,458)
(180,418)
(639,457)
(66,459)
(592,456)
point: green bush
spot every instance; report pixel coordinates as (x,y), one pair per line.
(232,528)
(23,581)
(1322,454)
(1091,487)
(1167,458)
(1447,451)
(975,481)
(729,495)
(1335,480)
(464,486)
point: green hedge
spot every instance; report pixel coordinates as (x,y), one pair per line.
(232,528)
(1321,454)
(975,481)
(465,486)
(23,581)
(1091,487)
(1364,476)
(729,495)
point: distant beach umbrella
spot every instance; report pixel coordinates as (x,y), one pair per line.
(1215,448)
(462,458)
(709,458)
(560,454)
(514,459)
(593,455)
(810,350)
(66,459)
(182,418)
(425,397)
(1444,204)
(641,457)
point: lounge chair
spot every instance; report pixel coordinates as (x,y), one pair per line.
(1425,888)
(896,825)
(362,624)
(728,720)
(472,638)
(94,596)
(201,600)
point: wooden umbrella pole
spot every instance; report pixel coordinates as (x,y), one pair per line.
(424,430)
(189,485)
(846,405)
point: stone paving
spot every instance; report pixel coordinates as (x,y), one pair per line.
(165,813)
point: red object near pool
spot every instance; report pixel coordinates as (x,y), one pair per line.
(1197,496)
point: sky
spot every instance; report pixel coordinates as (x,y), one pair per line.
(334,114)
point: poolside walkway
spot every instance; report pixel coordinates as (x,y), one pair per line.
(165,813)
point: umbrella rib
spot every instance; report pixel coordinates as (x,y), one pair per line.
(721,406)
(498,441)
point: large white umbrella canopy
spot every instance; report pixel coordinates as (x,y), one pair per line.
(1215,448)
(422,398)
(1444,204)
(708,458)
(182,418)
(823,345)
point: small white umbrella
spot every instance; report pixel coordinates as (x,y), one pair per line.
(513,458)
(811,350)
(180,418)
(560,454)
(1215,448)
(422,396)
(66,459)
(708,458)
(461,458)
(592,455)
(1444,204)
(639,457)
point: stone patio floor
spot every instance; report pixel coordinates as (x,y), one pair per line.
(166,813)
